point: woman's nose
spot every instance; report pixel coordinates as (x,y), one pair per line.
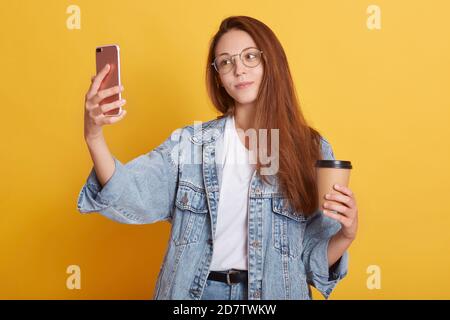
(239,67)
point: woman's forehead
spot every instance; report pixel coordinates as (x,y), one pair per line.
(233,42)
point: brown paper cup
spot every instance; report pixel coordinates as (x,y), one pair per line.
(329,173)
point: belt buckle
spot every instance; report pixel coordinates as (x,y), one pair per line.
(228,276)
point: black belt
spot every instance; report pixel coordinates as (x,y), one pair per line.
(229,277)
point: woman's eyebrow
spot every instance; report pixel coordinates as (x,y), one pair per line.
(221,54)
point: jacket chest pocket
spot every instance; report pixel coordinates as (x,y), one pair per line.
(190,215)
(287,228)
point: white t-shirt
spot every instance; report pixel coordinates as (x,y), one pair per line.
(235,169)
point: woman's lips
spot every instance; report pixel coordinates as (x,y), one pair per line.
(244,85)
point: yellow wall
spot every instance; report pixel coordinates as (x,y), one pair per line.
(379,96)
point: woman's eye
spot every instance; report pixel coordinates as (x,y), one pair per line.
(224,62)
(251,56)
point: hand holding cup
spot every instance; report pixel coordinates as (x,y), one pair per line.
(335,198)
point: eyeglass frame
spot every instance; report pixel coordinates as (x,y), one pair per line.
(233,61)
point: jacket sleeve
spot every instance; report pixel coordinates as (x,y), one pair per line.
(318,232)
(139,192)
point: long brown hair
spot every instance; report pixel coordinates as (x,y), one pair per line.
(277,107)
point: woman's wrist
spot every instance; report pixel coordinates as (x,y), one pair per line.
(93,139)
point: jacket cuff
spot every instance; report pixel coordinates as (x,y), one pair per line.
(93,198)
(326,278)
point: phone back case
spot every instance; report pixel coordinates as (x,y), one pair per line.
(109,54)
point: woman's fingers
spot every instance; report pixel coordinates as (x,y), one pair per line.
(96,81)
(344,190)
(105,93)
(346,200)
(100,109)
(336,216)
(101,119)
(337,207)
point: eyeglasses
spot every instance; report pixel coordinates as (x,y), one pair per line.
(250,57)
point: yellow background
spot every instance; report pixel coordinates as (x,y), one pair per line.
(381,97)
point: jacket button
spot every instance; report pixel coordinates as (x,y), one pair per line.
(257,294)
(185,199)
(255,243)
(195,292)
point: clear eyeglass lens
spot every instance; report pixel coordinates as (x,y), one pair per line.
(250,57)
(224,63)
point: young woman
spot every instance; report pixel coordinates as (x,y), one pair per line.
(239,230)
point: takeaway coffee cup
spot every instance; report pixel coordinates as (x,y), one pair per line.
(329,173)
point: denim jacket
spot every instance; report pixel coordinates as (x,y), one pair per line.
(177,182)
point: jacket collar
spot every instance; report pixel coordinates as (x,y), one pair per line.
(209,131)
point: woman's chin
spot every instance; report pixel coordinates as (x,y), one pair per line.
(245,101)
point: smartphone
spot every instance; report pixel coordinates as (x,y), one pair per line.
(109,54)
